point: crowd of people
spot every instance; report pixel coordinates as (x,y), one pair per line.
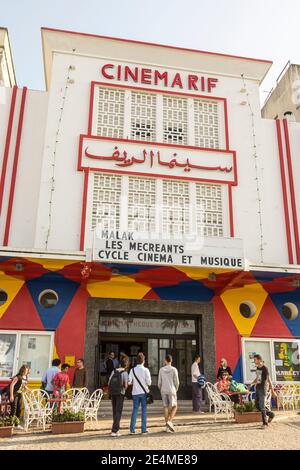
(55,382)
(134,381)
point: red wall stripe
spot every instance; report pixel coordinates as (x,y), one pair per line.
(15,167)
(230,211)
(284,194)
(84,204)
(292,189)
(7,143)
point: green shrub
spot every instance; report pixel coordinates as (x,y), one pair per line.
(246,407)
(9,421)
(67,415)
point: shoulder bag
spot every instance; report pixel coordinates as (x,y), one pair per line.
(149,395)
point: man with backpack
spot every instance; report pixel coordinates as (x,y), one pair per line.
(117,385)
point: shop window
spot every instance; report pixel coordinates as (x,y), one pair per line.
(34,353)
(3,297)
(48,298)
(17,348)
(247,309)
(7,354)
(290,311)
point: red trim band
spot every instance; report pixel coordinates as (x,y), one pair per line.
(292,189)
(132,41)
(14,170)
(230,211)
(84,205)
(284,194)
(7,143)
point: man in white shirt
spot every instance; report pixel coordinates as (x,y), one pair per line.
(196,389)
(140,379)
(49,375)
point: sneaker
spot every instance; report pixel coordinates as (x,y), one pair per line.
(144,432)
(271,419)
(113,434)
(201,412)
(132,432)
(169,430)
(170,426)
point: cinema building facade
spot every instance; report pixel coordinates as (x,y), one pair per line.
(146,205)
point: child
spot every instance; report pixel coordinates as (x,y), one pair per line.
(61,381)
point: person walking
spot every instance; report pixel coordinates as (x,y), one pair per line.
(196,389)
(262,382)
(49,375)
(140,379)
(117,385)
(80,376)
(17,384)
(168,384)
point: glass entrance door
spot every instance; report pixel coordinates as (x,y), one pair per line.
(182,352)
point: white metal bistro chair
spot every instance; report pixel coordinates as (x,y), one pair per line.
(91,406)
(75,399)
(286,396)
(220,402)
(35,408)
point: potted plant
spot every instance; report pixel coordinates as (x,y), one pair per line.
(246,413)
(67,422)
(7,424)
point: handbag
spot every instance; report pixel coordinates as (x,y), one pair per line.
(149,395)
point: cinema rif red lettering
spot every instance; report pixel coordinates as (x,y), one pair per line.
(122,159)
(149,76)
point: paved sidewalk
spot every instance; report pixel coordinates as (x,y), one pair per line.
(192,433)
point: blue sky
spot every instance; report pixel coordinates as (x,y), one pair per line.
(267,29)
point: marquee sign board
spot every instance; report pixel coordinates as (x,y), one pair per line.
(128,247)
(151,159)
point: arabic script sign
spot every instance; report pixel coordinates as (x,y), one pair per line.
(151,159)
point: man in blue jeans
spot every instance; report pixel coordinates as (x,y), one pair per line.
(263,383)
(140,379)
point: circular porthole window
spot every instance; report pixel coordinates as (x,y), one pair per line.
(48,298)
(290,311)
(3,297)
(247,309)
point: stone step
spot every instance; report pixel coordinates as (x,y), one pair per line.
(184,407)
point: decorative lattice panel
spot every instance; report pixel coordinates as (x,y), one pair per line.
(175,207)
(175,120)
(110,116)
(209,210)
(141,204)
(206,116)
(143,116)
(106,201)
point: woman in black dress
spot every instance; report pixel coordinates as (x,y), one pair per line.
(15,391)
